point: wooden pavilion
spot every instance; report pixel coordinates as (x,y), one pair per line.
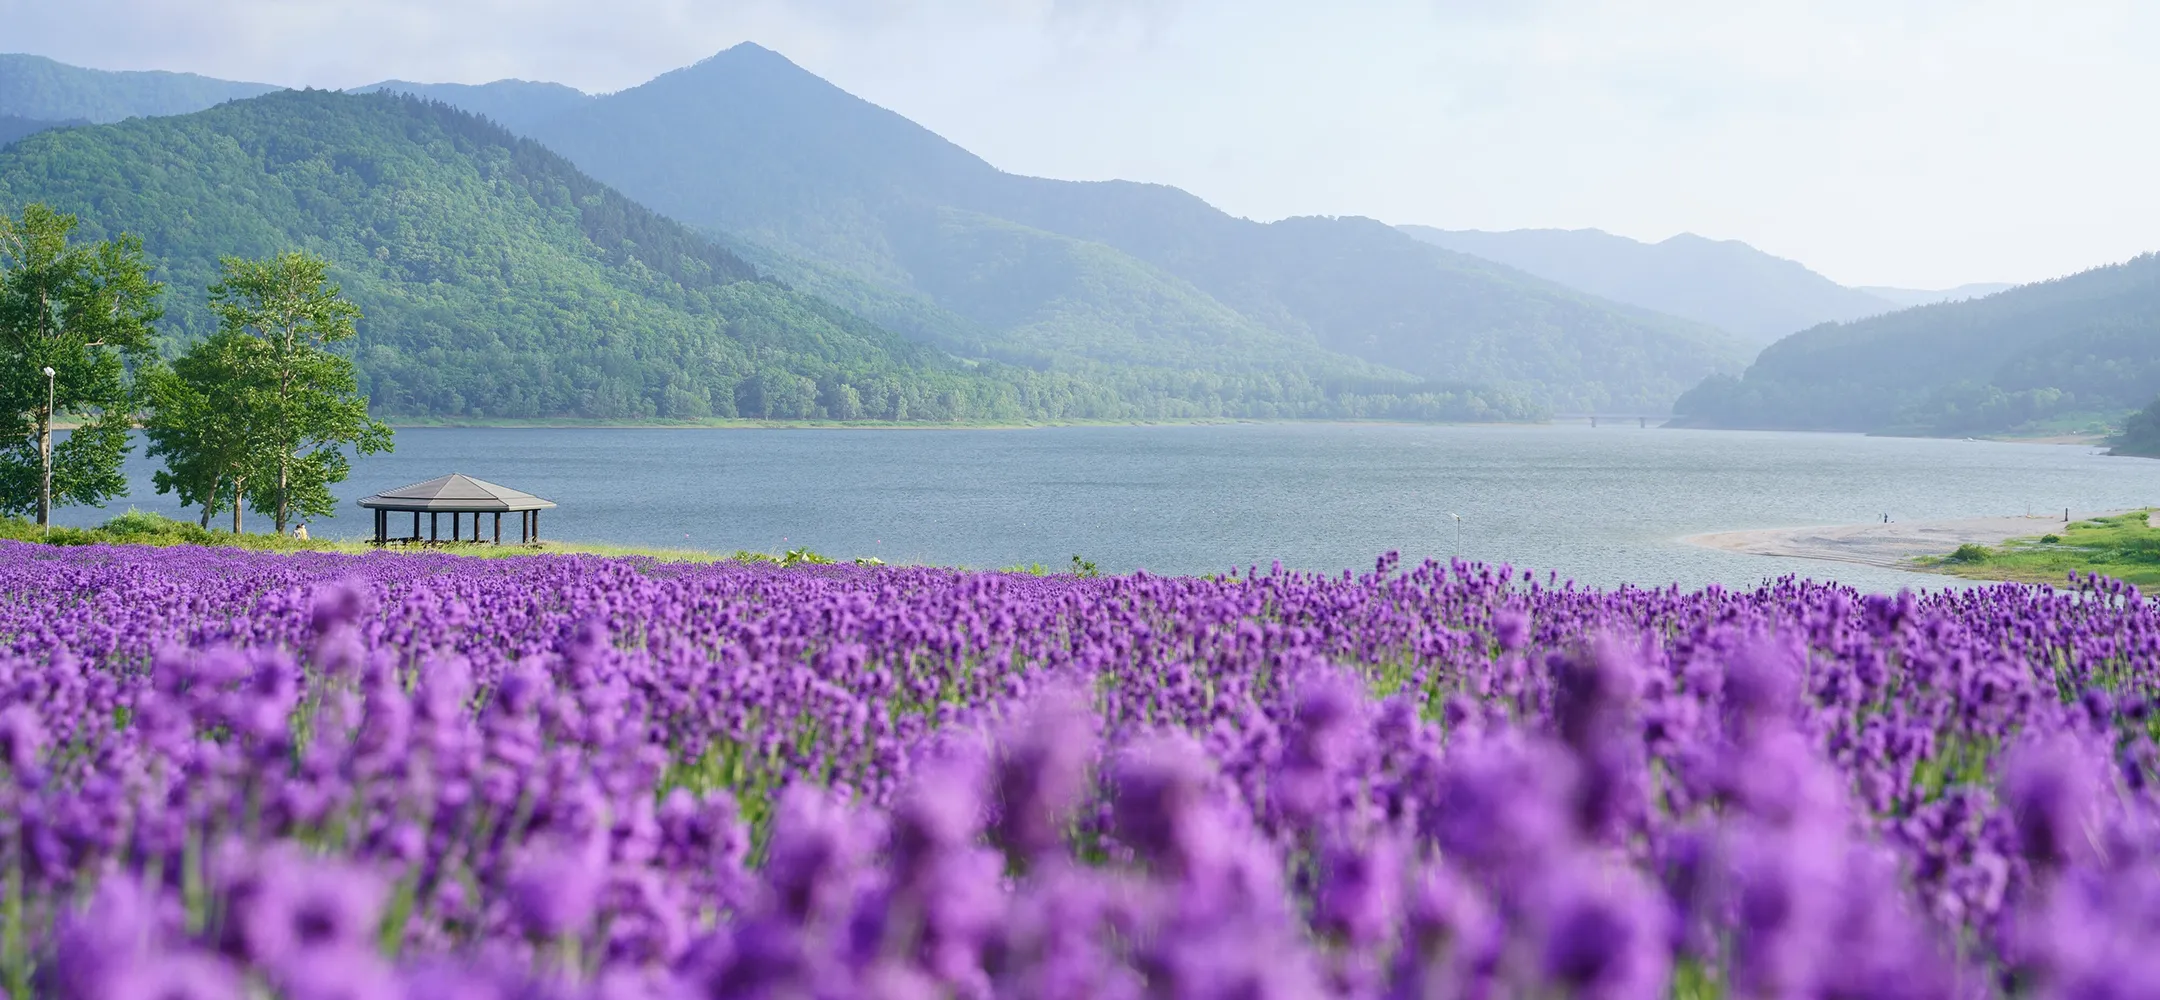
(457,496)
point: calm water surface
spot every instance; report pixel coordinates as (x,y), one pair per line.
(1601,505)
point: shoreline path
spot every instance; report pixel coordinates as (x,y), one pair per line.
(1892,546)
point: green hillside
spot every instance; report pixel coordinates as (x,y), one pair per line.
(40,88)
(1056,273)
(2065,352)
(496,279)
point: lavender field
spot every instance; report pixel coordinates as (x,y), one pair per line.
(228,775)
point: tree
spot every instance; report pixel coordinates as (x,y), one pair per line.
(203,421)
(303,399)
(83,310)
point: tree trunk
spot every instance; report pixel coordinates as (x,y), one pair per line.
(210,502)
(237,486)
(282,485)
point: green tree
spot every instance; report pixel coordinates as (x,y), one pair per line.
(82,310)
(203,421)
(304,400)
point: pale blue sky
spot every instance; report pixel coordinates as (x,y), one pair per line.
(1924,143)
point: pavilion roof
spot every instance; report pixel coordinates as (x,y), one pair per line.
(455,492)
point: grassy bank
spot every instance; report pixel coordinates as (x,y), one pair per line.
(2125,546)
(142,528)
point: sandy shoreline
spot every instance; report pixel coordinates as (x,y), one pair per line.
(1894,545)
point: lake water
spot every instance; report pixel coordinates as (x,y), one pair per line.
(1600,505)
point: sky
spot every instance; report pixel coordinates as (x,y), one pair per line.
(1915,143)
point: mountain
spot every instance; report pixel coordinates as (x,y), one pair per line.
(1724,283)
(39,88)
(2072,350)
(1905,297)
(13,128)
(1071,276)
(496,279)
(513,104)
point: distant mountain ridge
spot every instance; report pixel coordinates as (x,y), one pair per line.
(1077,274)
(2079,349)
(13,127)
(514,104)
(1724,283)
(43,89)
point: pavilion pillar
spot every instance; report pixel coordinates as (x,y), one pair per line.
(476,526)
(498,527)
(524,527)
(381,527)
(434,526)
(536,525)
(416,526)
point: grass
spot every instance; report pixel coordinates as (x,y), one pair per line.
(144,528)
(2124,546)
(138,527)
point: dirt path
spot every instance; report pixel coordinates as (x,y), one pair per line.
(1893,545)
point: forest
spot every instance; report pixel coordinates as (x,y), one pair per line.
(2068,352)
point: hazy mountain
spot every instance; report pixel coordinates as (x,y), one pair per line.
(39,88)
(2071,349)
(1905,297)
(496,279)
(1725,283)
(513,104)
(13,128)
(1070,274)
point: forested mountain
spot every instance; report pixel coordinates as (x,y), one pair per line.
(496,279)
(38,88)
(1908,297)
(1725,283)
(2085,346)
(874,210)
(513,104)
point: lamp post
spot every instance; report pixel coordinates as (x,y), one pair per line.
(1458,534)
(45,453)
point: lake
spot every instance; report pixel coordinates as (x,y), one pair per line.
(1601,505)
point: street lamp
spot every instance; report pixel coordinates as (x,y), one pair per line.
(1458,534)
(45,448)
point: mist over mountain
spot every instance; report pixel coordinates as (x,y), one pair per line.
(514,104)
(1724,283)
(2079,349)
(1906,297)
(1070,274)
(38,88)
